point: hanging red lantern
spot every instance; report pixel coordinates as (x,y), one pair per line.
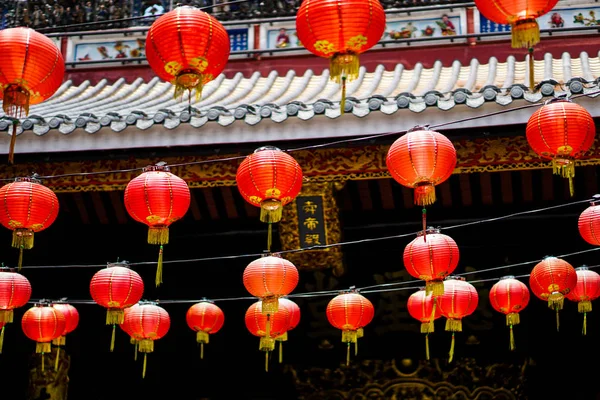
(423,307)
(585,291)
(459,300)
(350,312)
(294,311)
(27,207)
(421,159)
(269,278)
(188,48)
(510,296)
(157,198)
(268,328)
(15,292)
(116,288)
(589,224)
(561,131)
(551,280)
(340,31)
(71,320)
(31,70)
(148,322)
(204,318)
(43,323)
(432,258)
(269,179)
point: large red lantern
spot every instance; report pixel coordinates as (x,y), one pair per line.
(551,280)
(350,312)
(268,328)
(31,70)
(269,278)
(148,322)
(421,159)
(561,131)
(116,288)
(589,224)
(15,292)
(585,291)
(510,296)
(459,300)
(294,311)
(340,31)
(157,198)
(204,318)
(422,307)
(27,207)
(188,48)
(269,179)
(432,258)
(43,323)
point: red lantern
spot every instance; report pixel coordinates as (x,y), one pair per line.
(340,31)
(422,307)
(585,291)
(116,288)
(43,323)
(148,323)
(350,312)
(561,131)
(71,321)
(458,301)
(205,319)
(431,258)
(269,278)
(15,292)
(267,327)
(31,70)
(157,198)
(589,224)
(421,159)
(269,179)
(510,296)
(188,48)
(551,280)
(294,311)
(27,207)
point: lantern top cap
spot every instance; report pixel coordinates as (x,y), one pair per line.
(6,269)
(595,200)
(507,277)
(34,178)
(351,289)
(148,302)
(582,268)
(419,128)
(560,99)
(430,231)
(124,264)
(205,300)
(455,278)
(42,303)
(159,166)
(263,148)
(60,301)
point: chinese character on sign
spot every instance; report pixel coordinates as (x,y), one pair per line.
(309,207)
(311,223)
(312,238)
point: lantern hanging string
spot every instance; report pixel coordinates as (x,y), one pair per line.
(57,358)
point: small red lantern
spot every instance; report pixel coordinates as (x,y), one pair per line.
(561,131)
(31,70)
(340,31)
(27,207)
(157,198)
(422,307)
(350,312)
(459,300)
(43,323)
(294,311)
(188,48)
(510,296)
(421,159)
(432,258)
(116,288)
(71,321)
(589,224)
(585,291)
(15,292)
(269,179)
(148,322)
(205,318)
(269,278)
(551,280)
(268,328)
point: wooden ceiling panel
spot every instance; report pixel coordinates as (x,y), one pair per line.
(386,194)
(506,187)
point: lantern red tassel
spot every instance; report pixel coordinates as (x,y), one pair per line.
(510,296)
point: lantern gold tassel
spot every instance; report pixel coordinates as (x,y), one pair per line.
(20,262)
(432,317)
(144,367)
(427,346)
(112,338)
(424,194)
(271,211)
(6,316)
(202,350)
(189,79)
(22,238)
(13,141)
(158,235)
(1,338)
(513,319)
(343,100)
(42,362)
(280,352)
(356,347)
(269,237)
(531,70)
(114,316)
(342,68)
(348,355)
(266,361)
(57,358)
(435,287)
(454,325)
(44,347)
(556,302)
(525,33)
(583,330)
(566,168)
(159,267)
(135,351)
(451,353)
(512,339)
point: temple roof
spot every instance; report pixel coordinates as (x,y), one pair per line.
(279,98)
